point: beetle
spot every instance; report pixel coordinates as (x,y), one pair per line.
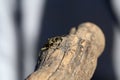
(52,43)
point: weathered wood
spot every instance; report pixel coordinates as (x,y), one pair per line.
(72,58)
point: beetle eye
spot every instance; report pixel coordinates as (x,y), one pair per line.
(51,44)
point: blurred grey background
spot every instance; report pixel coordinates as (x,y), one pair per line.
(25,25)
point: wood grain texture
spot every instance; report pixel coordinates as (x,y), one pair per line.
(75,58)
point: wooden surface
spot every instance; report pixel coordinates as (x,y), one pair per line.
(73,58)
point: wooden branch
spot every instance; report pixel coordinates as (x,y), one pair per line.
(71,57)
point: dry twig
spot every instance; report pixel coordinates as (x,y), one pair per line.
(71,57)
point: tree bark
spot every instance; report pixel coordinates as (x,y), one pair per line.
(74,57)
